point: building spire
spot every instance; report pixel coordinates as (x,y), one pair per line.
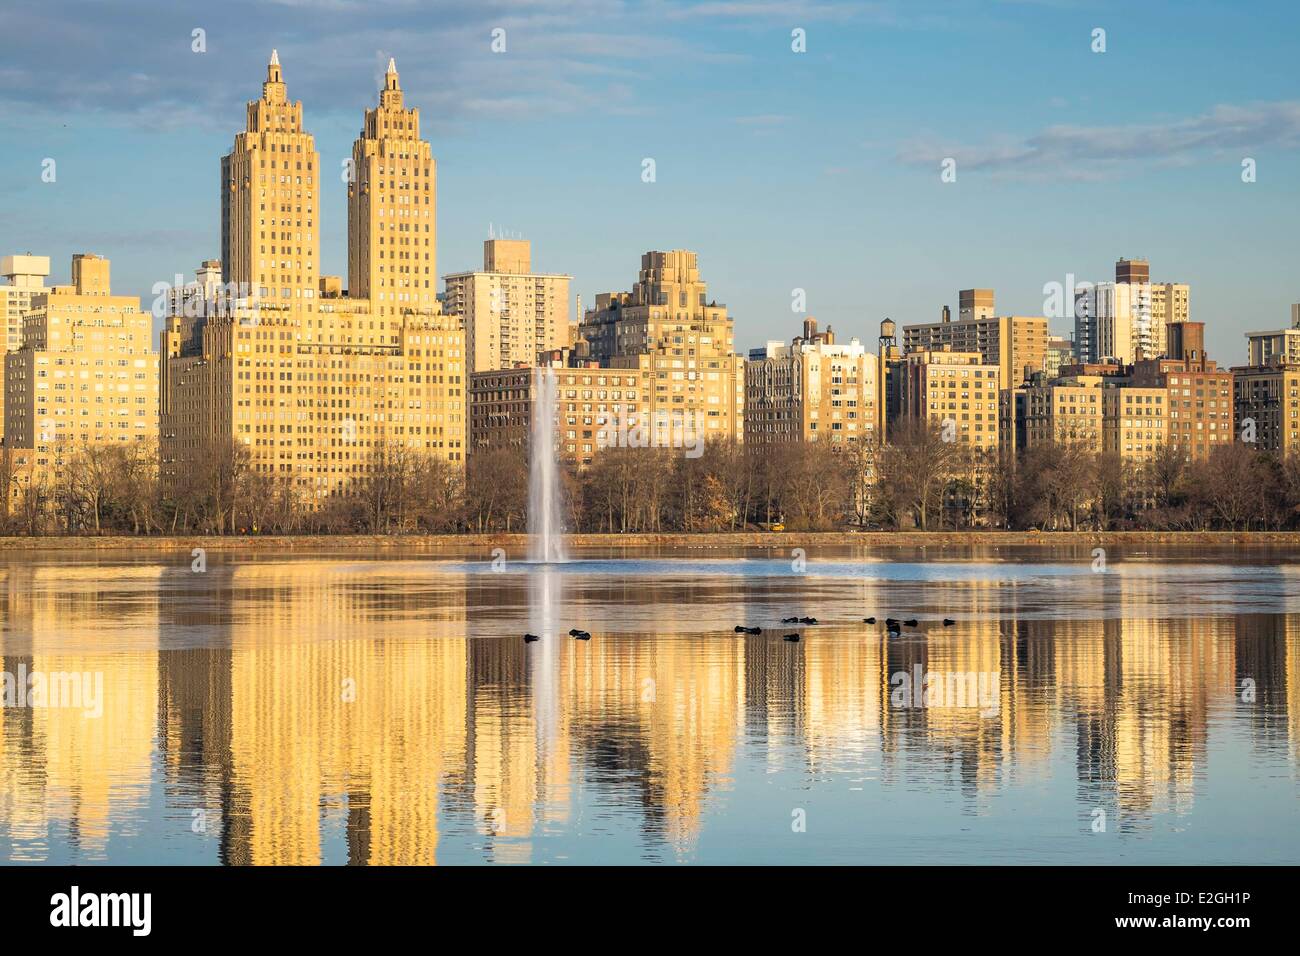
(390,78)
(273,89)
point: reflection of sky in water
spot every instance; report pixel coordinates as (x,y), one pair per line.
(667,737)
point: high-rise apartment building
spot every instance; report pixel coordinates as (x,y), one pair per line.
(1066,411)
(509,313)
(813,389)
(1059,353)
(1171,304)
(1093,408)
(24,278)
(1086,332)
(1135,421)
(1199,392)
(594,407)
(669,327)
(1274,348)
(1017,344)
(312,382)
(392,208)
(1128,319)
(1281,347)
(194,298)
(957,391)
(1266,407)
(1109,319)
(84,374)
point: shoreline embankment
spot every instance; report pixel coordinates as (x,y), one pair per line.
(709,541)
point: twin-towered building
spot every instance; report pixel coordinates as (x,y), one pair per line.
(314,381)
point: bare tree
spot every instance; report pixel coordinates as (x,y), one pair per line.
(915,467)
(1237,487)
(8,490)
(1055,486)
(219,475)
(816,490)
(92,470)
(496,489)
(382,490)
(136,488)
(437,494)
(860,464)
(1114,490)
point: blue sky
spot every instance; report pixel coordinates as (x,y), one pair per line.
(783,170)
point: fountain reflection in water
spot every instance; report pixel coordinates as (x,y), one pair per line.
(545,525)
(546,547)
(545,597)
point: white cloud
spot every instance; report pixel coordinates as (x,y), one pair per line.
(1081,151)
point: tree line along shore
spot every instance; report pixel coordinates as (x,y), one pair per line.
(917,482)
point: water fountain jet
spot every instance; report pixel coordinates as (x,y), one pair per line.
(545,523)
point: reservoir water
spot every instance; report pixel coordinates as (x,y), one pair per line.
(336,708)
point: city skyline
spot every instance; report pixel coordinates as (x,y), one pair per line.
(1179,155)
(323,392)
(576,433)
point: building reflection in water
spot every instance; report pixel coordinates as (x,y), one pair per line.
(390,712)
(65,776)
